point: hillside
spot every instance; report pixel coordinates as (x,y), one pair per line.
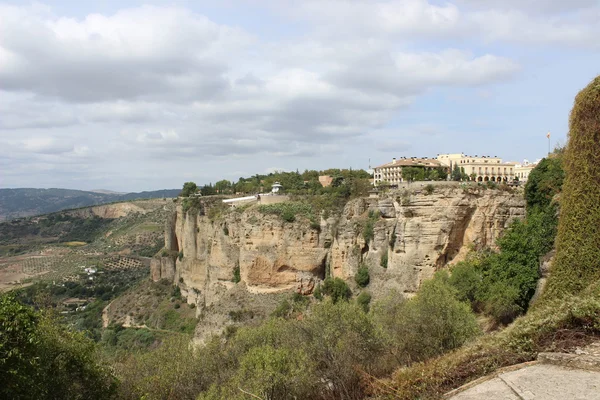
(25,202)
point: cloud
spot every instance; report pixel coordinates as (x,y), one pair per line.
(147,87)
(123,56)
(550,22)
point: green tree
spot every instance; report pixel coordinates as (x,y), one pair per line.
(41,359)
(456,173)
(577,261)
(189,188)
(336,288)
(223,186)
(544,182)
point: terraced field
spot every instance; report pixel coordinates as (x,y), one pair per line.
(59,246)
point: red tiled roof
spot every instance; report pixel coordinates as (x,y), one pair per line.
(413,162)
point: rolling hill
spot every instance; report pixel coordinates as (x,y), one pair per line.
(25,202)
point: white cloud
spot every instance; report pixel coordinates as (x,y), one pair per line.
(149,84)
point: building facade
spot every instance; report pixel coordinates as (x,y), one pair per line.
(522,170)
(480,169)
(391,172)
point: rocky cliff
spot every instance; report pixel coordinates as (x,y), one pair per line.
(418,233)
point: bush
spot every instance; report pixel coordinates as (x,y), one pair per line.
(383,261)
(236,274)
(362,276)
(363,300)
(432,322)
(336,288)
(553,326)
(429,189)
(288,211)
(276,373)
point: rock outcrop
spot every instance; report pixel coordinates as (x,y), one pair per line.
(418,233)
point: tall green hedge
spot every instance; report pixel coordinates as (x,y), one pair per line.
(577,261)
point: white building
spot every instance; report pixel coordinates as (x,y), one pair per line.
(480,168)
(276,187)
(522,170)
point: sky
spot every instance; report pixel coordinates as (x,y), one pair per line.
(142,95)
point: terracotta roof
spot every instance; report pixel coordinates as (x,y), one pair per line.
(413,162)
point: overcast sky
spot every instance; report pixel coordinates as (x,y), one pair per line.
(132,95)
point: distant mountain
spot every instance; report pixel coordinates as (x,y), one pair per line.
(25,202)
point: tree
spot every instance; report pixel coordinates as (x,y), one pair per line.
(544,182)
(208,190)
(473,176)
(336,288)
(223,186)
(41,359)
(189,188)
(577,261)
(456,173)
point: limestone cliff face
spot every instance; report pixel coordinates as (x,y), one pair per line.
(419,232)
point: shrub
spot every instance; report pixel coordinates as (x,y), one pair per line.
(317,293)
(368,230)
(336,288)
(362,276)
(432,322)
(180,255)
(236,274)
(577,261)
(276,373)
(550,327)
(288,211)
(383,261)
(429,189)
(363,300)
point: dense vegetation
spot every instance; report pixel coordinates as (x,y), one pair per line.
(42,359)
(326,354)
(577,261)
(501,284)
(292,182)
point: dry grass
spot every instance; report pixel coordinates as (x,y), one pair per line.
(75,244)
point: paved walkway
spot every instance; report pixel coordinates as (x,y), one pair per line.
(554,376)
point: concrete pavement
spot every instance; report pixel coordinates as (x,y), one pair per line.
(554,376)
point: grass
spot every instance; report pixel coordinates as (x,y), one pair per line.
(556,325)
(74,244)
